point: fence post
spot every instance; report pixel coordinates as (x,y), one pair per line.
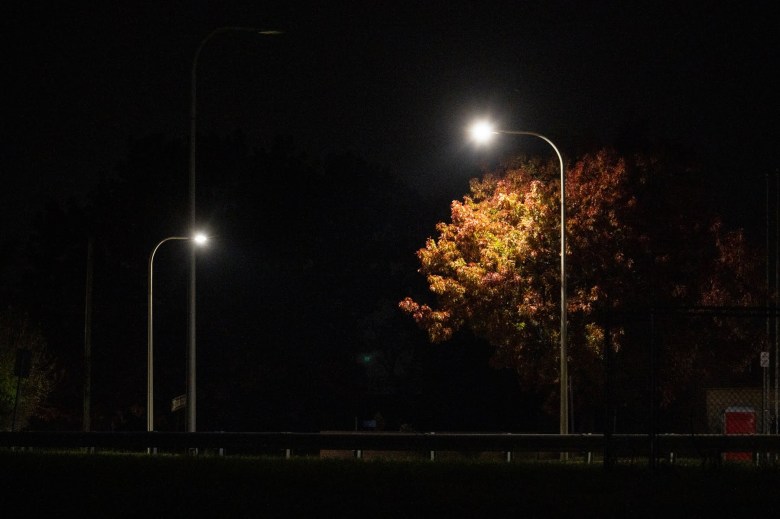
(608,460)
(654,353)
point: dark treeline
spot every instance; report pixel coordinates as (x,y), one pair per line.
(298,325)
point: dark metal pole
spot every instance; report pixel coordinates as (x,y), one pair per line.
(774,298)
(87,413)
(191,403)
(654,347)
(608,395)
(771,303)
(16,402)
(191,336)
(767,300)
(21,370)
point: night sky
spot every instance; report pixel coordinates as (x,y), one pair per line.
(392,83)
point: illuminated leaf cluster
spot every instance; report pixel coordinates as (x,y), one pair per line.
(495,267)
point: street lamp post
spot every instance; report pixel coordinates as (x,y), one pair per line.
(481,132)
(191,403)
(198,239)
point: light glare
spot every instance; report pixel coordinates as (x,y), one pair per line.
(482,132)
(200,238)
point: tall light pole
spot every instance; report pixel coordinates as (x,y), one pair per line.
(198,239)
(482,132)
(191,402)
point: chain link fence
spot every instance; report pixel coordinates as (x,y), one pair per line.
(694,371)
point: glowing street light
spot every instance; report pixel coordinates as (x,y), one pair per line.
(198,239)
(482,132)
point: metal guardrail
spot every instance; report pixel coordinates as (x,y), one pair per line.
(708,445)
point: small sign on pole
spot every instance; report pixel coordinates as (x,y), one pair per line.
(178,403)
(764,359)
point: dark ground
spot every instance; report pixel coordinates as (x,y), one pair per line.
(38,485)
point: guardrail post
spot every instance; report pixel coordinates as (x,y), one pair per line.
(670,446)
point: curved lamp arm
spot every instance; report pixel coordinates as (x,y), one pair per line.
(482,132)
(150,337)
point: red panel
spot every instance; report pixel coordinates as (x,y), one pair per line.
(739,422)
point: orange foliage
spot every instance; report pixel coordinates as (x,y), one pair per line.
(495,268)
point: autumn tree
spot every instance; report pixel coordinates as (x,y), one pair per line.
(638,237)
(23,393)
